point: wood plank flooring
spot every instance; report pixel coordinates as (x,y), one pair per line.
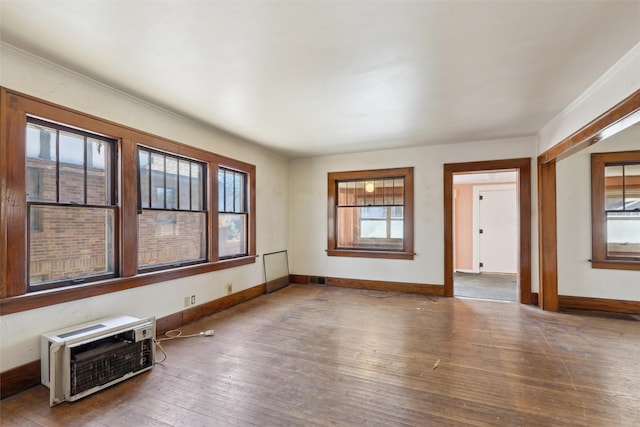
(498,286)
(323,356)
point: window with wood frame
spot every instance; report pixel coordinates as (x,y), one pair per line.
(232,213)
(371,213)
(85,201)
(172,213)
(615,198)
(71,205)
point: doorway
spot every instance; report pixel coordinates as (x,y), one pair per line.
(522,167)
(485,235)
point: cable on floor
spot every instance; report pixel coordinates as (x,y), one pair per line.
(177,333)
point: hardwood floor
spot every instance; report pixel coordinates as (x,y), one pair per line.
(308,355)
(498,286)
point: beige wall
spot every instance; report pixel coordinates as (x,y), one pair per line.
(463,226)
(308,197)
(299,187)
(34,76)
(575,275)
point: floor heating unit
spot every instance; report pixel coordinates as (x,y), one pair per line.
(86,358)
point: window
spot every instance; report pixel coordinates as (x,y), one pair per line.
(232,213)
(615,196)
(89,202)
(172,221)
(71,205)
(371,213)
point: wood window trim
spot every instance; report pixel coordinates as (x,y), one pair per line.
(334,177)
(547,230)
(599,257)
(14,108)
(245,208)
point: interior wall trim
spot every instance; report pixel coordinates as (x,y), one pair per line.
(523,166)
(592,132)
(19,378)
(375,285)
(547,203)
(600,304)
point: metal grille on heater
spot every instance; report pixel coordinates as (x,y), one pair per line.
(100,362)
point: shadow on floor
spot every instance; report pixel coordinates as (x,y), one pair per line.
(485,285)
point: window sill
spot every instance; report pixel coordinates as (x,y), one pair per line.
(370,254)
(34,300)
(615,264)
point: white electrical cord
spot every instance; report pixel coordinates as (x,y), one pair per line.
(177,333)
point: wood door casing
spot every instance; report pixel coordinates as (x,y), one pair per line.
(523,167)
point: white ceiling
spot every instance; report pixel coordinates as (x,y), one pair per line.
(319,77)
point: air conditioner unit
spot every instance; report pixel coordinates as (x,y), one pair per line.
(86,358)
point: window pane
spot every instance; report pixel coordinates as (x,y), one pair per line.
(145,162)
(342,193)
(71,172)
(228,191)
(397,229)
(98,165)
(184,183)
(632,187)
(221,190)
(623,234)
(379,192)
(373,229)
(613,184)
(373,212)
(388,192)
(368,228)
(171,238)
(41,163)
(238,202)
(61,249)
(232,235)
(398,191)
(157,181)
(364,192)
(171,183)
(34,184)
(197,187)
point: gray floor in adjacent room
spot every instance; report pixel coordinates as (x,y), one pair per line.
(485,285)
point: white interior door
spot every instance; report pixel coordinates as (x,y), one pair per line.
(498,231)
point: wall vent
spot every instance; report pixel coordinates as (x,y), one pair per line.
(317,280)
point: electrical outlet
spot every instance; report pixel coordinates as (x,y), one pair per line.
(186,301)
(193,299)
(229,288)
